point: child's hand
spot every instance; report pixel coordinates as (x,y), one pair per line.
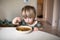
(35,29)
(16,20)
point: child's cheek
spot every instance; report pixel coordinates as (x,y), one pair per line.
(30,20)
(26,20)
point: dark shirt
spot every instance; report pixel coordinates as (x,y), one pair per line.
(36,24)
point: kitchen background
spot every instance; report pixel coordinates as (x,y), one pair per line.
(10,9)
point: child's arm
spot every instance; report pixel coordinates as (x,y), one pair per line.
(37,26)
(16,21)
(40,27)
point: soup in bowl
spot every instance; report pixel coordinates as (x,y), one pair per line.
(24,29)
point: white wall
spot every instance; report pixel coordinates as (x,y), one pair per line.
(56,17)
(45,9)
(55,13)
(2,15)
(59,17)
(12,8)
(49,10)
(59,27)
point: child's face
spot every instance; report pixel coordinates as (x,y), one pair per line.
(28,20)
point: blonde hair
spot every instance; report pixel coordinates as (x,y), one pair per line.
(31,11)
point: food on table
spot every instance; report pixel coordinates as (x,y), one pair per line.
(23,28)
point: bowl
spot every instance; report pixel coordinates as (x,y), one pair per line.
(24,29)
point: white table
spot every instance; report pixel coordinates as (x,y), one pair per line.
(10,33)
